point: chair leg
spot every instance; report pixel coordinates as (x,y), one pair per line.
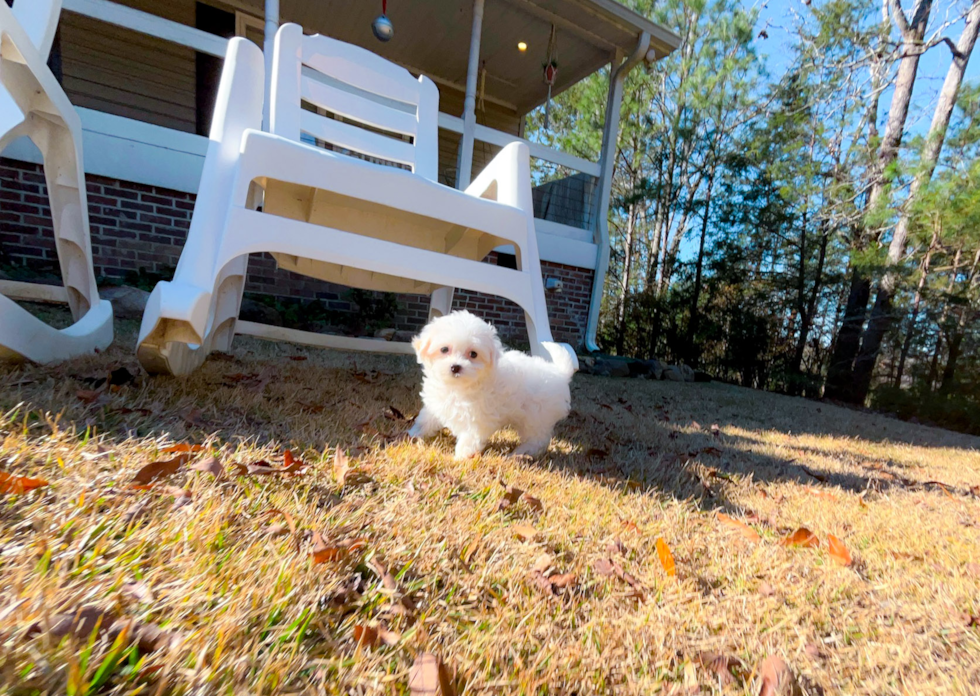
(441,303)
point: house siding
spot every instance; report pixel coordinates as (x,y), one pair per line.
(135,227)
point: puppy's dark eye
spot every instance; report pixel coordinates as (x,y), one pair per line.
(444,350)
(472,355)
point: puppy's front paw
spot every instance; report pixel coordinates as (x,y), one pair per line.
(415,432)
(467,450)
(531,449)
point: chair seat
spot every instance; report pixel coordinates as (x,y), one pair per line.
(324,189)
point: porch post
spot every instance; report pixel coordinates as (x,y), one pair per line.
(607,166)
(271,27)
(465,172)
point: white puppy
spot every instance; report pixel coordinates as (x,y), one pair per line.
(474,387)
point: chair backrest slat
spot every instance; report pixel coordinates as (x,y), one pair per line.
(358,108)
(39,20)
(357,139)
(362,88)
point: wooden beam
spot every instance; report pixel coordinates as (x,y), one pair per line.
(311,338)
(33,292)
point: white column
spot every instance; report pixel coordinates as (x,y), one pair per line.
(271,27)
(607,166)
(465,172)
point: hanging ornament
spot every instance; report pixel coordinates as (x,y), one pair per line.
(382,26)
(550,73)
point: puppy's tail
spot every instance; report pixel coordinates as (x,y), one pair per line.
(562,357)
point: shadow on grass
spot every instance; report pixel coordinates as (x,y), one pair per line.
(697,442)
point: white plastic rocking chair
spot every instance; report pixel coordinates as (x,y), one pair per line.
(33,104)
(333,216)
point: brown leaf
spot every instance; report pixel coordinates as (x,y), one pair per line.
(182,496)
(297,358)
(160,469)
(822,494)
(563,580)
(292,464)
(392,413)
(534,503)
(666,558)
(309,407)
(819,477)
(615,547)
(630,526)
(429,677)
(715,430)
(695,425)
(777,678)
(366,635)
(511,496)
(801,537)
(728,669)
(272,512)
(88,396)
(192,416)
(742,528)
(262,468)
(209,465)
(542,582)
(813,651)
(604,567)
(134,512)
(543,562)
(524,532)
(838,551)
(341,465)
(387,579)
(333,551)
(19,485)
(713,451)
(79,623)
(766,590)
(388,637)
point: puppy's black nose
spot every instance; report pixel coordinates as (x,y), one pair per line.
(456,369)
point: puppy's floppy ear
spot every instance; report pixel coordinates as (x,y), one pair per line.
(421,346)
(496,349)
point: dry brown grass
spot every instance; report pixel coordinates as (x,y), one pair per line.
(254,614)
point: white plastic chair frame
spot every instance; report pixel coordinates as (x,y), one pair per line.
(332,216)
(33,104)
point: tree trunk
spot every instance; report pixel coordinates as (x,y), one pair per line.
(916,304)
(840,375)
(625,284)
(956,340)
(881,316)
(809,311)
(694,353)
(934,365)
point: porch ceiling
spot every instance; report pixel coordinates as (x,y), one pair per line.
(432,37)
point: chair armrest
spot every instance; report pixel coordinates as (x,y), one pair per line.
(507,179)
(238,105)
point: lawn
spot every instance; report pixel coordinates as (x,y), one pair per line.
(215,576)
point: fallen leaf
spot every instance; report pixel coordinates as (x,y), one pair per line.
(392,413)
(511,496)
(88,396)
(341,465)
(713,451)
(388,637)
(182,496)
(973,569)
(695,425)
(134,512)
(838,551)
(597,454)
(297,358)
(822,494)
(192,416)
(666,558)
(292,464)
(262,468)
(159,469)
(801,537)
(766,590)
(742,528)
(183,448)
(534,503)
(615,547)
(429,677)
(524,532)
(604,567)
(147,637)
(79,623)
(630,526)
(813,651)
(543,562)
(19,485)
(210,465)
(334,551)
(272,512)
(365,635)
(542,582)
(777,678)
(310,408)
(715,430)
(728,669)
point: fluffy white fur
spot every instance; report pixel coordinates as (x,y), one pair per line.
(474,387)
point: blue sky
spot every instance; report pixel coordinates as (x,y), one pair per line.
(778,17)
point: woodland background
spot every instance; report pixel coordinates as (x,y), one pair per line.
(810,230)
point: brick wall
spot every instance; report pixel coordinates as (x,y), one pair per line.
(144,227)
